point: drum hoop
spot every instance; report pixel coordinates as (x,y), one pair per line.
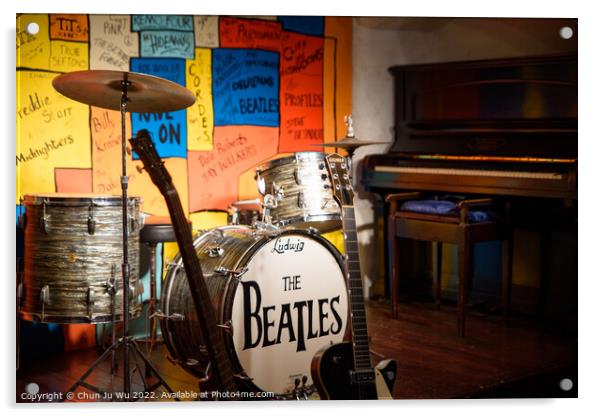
(306,156)
(78,201)
(228,297)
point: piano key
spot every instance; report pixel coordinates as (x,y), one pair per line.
(471,172)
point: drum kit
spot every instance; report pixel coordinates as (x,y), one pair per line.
(277,286)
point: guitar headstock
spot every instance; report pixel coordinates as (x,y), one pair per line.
(338,168)
(145,148)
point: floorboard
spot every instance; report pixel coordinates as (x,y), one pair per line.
(523,359)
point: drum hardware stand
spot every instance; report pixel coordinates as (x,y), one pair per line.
(126,341)
(151,313)
(265,226)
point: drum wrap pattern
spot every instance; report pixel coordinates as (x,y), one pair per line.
(73,246)
(308,200)
(183,338)
(230,249)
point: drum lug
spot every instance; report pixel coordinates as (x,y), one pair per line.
(260,182)
(301,203)
(297,176)
(214,252)
(91,221)
(110,284)
(162,316)
(227,326)
(91,225)
(131,224)
(91,299)
(44,298)
(313,231)
(237,275)
(44,219)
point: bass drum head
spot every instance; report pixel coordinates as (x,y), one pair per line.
(290,303)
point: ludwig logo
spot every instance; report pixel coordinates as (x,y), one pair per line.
(281,246)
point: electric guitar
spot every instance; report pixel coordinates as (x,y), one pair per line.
(221,375)
(343,371)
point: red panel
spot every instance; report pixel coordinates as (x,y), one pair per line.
(301,92)
(249,33)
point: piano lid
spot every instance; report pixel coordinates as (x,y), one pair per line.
(509,107)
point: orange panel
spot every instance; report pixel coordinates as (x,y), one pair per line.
(73,180)
(341,29)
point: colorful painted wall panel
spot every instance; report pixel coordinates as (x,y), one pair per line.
(265,85)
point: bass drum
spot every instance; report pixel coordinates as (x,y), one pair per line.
(278,298)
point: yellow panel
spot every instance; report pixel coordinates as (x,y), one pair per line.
(247,186)
(201,220)
(199,116)
(68,56)
(33,51)
(52,132)
(208,219)
(170,250)
(337,239)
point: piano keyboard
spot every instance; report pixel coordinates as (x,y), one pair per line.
(471,172)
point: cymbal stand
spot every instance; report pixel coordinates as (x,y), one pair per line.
(125,341)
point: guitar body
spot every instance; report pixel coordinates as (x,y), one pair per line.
(330,371)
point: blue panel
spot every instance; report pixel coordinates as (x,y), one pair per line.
(309,25)
(168,130)
(161,21)
(245,87)
(167,44)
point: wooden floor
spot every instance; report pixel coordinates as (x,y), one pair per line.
(492,361)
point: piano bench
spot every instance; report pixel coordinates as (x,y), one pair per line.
(447,222)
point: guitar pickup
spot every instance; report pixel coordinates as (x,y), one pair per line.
(362,377)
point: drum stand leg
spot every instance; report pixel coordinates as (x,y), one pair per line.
(126,342)
(151,319)
(138,354)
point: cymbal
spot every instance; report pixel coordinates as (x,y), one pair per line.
(103,88)
(350,143)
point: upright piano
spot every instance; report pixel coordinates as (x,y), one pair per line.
(504,128)
(493,127)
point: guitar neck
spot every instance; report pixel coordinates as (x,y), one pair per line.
(359,328)
(221,372)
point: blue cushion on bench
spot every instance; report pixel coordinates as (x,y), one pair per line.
(444,208)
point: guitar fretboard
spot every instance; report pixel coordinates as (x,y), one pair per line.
(360,340)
